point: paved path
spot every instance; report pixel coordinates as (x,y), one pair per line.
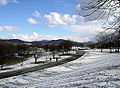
(38,67)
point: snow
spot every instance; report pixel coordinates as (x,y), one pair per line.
(30,62)
(26,63)
(93,70)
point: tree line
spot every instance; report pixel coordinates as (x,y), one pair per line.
(109,40)
(9,51)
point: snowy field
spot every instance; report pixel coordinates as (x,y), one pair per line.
(93,70)
(30,62)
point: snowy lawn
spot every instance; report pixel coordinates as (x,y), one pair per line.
(30,62)
(93,70)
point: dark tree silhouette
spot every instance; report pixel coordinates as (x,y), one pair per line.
(46,48)
(53,49)
(65,46)
(37,53)
(7,52)
(101,39)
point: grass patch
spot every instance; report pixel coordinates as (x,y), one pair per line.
(39,62)
(15,61)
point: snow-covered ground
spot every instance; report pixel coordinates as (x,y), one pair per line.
(30,62)
(93,70)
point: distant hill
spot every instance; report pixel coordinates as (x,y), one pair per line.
(17,41)
(45,41)
(40,42)
(51,41)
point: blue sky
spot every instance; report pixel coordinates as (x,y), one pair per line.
(44,19)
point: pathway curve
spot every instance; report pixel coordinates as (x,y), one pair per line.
(39,67)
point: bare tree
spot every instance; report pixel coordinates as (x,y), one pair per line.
(46,48)
(7,52)
(53,49)
(109,40)
(65,46)
(109,10)
(101,39)
(117,39)
(37,53)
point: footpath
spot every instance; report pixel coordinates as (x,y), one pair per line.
(40,67)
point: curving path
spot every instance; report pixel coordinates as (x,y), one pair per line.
(39,67)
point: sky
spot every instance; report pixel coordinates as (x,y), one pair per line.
(34,20)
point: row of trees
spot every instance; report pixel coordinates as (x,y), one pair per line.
(38,50)
(63,47)
(9,50)
(108,40)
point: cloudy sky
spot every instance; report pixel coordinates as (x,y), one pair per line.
(33,20)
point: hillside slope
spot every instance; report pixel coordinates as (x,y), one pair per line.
(93,70)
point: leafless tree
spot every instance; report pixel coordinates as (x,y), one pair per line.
(65,46)
(117,39)
(7,52)
(37,53)
(101,39)
(109,40)
(109,10)
(46,48)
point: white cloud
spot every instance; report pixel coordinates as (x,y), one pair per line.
(35,34)
(5,2)
(10,28)
(55,19)
(1,28)
(87,30)
(15,1)
(37,37)
(36,14)
(32,21)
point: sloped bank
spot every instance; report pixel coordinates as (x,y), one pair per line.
(40,67)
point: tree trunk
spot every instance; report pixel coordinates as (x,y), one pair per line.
(35,58)
(119,41)
(1,66)
(53,54)
(46,55)
(101,50)
(110,48)
(21,61)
